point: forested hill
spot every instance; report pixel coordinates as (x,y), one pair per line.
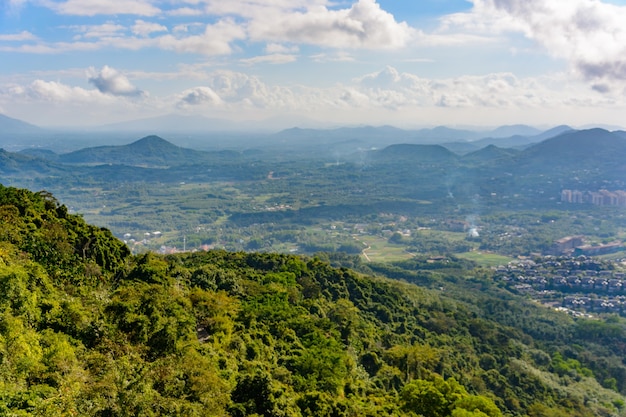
(87,329)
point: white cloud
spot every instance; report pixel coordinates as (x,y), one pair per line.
(339,56)
(50,91)
(198,96)
(105,7)
(14,7)
(497,90)
(185,11)
(187,27)
(270,59)
(237,89)
(110,81)
(364,25)
(252,9)
(215,40)
(143,28)
(278,48)
(384,96)
(17,37)
(589,34)
(104,30)
(395,91)
(53,103)
(41,48)
(281,24)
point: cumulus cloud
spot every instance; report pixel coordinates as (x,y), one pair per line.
(143,28)
(377,97)
(390,88)
(393,90)
(216,39)
(237,89)
(281,24)
(49,91)
(589,34)
(110,81)
(55,103)
(198,96)
(105,7)
(364,25)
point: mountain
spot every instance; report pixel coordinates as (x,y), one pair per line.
(521,141)
(582,147)
(351,138)
(513,130)
(508,142)
(148,151)
(441,134)
(550,133)
(517,135)
(40,153)
(365,133)
(620,133)
(594,153)
(9,125)
(415,153)
(490,154)
(25,166)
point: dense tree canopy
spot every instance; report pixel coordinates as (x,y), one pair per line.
(87,329)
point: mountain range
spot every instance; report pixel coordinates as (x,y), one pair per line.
(516,135)
(193,130)
(595,149)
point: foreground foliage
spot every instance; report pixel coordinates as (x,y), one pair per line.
(87,329)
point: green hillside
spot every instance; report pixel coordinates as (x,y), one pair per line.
(87,329)
(150,150)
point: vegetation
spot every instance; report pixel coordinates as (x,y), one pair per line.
(88,329)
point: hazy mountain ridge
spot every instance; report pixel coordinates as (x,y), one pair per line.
(9,125)
(415,153)
(188,130)
(387,135)
(491,153)
(21,164)
(568,149)
(152,151)
(578,147)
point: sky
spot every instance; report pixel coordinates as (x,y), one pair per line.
(415,63)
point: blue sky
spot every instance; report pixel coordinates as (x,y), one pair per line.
(315,62)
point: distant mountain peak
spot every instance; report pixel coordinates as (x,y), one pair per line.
(152,140)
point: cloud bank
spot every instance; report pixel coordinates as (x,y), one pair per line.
(589,34)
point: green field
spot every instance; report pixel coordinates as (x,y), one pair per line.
(485,259)
(380,250)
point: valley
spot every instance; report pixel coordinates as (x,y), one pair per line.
(392,254)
